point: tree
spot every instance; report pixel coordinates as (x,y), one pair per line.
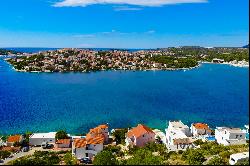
(216,161)
(195,157)
(69,159)
(4,154)
(120,136)
(105,157)
(61,135)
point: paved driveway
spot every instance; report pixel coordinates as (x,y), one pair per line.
(22,154)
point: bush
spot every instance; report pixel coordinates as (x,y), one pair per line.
(69,159)
(195,157)
(105,157)
(225,154)
(198,142)
(114,149)
(4,154)
(144,157)
(216,161)
(39,158)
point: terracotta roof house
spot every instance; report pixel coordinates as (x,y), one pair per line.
(63,143)
(99,131)
(139,136)
(13,139)
(91,144)
(200,129)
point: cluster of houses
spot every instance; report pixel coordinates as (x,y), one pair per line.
(177,136)
(85,60)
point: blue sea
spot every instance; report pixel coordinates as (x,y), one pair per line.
(41,102)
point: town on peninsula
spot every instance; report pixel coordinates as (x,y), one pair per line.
(86,60)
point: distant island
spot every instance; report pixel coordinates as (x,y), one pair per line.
(9,52)
(85,60)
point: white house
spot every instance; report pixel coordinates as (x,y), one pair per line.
(246,130)
(160,134)
(230,136)
(139,136)
(36,139)
(82,148)
(238,157)
(178,136)
(200,129)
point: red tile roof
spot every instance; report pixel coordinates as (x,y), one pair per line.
(79,143)
(63,141)
(7,148)
(95,136)
(82,142)
(201,126)
(97,131)
(14,138)
(139,131)
(96,140)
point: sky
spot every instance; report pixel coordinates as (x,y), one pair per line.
(123,23)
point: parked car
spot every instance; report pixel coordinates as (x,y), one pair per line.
(25,149)
(44,145)
(49,146)
(1,161)
(86,160)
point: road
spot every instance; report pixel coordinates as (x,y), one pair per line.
(22,154)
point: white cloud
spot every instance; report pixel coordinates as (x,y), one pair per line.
(149,3)
(126,8)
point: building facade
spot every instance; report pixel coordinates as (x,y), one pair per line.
(139,136)
(37,139)
(230,136)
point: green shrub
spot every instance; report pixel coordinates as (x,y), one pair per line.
(105,157)
(216,161)
(195,157)
(144,157)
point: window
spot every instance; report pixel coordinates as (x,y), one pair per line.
(240,135)
(236,136)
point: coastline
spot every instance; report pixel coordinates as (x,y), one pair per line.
(153,69)
(228,63)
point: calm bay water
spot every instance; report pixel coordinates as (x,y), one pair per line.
(215,94)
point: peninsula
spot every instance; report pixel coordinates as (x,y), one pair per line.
(85,60)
